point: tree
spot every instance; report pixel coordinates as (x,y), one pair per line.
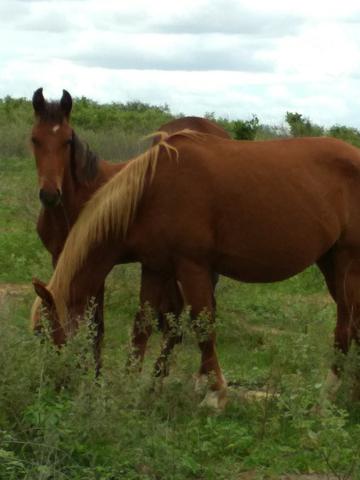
(246,129)
(349,134)
(302,127)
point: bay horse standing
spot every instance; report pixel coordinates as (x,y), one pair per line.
(264,213)
(69,173)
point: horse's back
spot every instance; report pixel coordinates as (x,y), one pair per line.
(256,205)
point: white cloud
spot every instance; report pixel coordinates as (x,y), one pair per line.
(231,57)
(172,52)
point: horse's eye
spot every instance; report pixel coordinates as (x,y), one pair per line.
(35,141)
(69,141)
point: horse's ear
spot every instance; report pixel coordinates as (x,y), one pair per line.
(38,101)
(42,292)
(66,103)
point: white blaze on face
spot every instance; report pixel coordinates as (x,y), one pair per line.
(56,128)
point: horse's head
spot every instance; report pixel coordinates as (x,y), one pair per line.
(58,149)
(51,138)
(46,302)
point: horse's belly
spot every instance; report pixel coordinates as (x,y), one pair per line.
(273,255)
(261,269)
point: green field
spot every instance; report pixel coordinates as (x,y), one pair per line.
(57,423)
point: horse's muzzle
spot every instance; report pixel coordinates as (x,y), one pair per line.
(50,199)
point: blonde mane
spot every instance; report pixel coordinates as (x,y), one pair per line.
(111,208)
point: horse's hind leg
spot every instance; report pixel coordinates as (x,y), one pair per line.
(347,296)
(197,288)
(327,266)
(348,301)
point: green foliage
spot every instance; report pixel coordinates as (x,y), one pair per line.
(302,127)
(225,123)
(21,253)
(15,110)
(271,132)
(134,117)
(58,423)
(246,129)
(114,130)
(350,135)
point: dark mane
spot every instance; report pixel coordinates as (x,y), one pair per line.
(91,166)
(84,162)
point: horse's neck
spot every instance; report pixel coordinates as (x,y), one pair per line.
(54,224)
(91,274)
(108,170)
(75,195)
(53,228)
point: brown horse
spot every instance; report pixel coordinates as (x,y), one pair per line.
(69,173)
(264,213)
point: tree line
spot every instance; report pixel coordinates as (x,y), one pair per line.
(114,128)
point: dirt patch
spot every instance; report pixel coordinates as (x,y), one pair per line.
(13,290)
(238,392)
(321,300)
(264,329)
(313,476)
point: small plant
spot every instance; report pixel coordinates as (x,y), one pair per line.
(246,129)
(302,127)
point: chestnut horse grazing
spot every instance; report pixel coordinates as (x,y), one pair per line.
(263,213)
(69,173)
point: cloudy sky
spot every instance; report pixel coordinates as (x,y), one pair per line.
(231,57)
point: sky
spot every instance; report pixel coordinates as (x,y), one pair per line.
(233,58)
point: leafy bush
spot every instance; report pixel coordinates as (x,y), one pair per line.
(351,135)
(57,423)
(246,129)
(302,127)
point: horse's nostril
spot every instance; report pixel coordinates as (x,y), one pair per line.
(42,195)
(49,199)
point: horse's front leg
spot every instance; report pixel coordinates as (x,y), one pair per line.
(150,299)
(197,285)
(172,305)
(347,328)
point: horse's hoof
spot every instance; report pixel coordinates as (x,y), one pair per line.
(215,399)
(331,386)
(201,381)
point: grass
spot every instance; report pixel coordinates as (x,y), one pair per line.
(57,423)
